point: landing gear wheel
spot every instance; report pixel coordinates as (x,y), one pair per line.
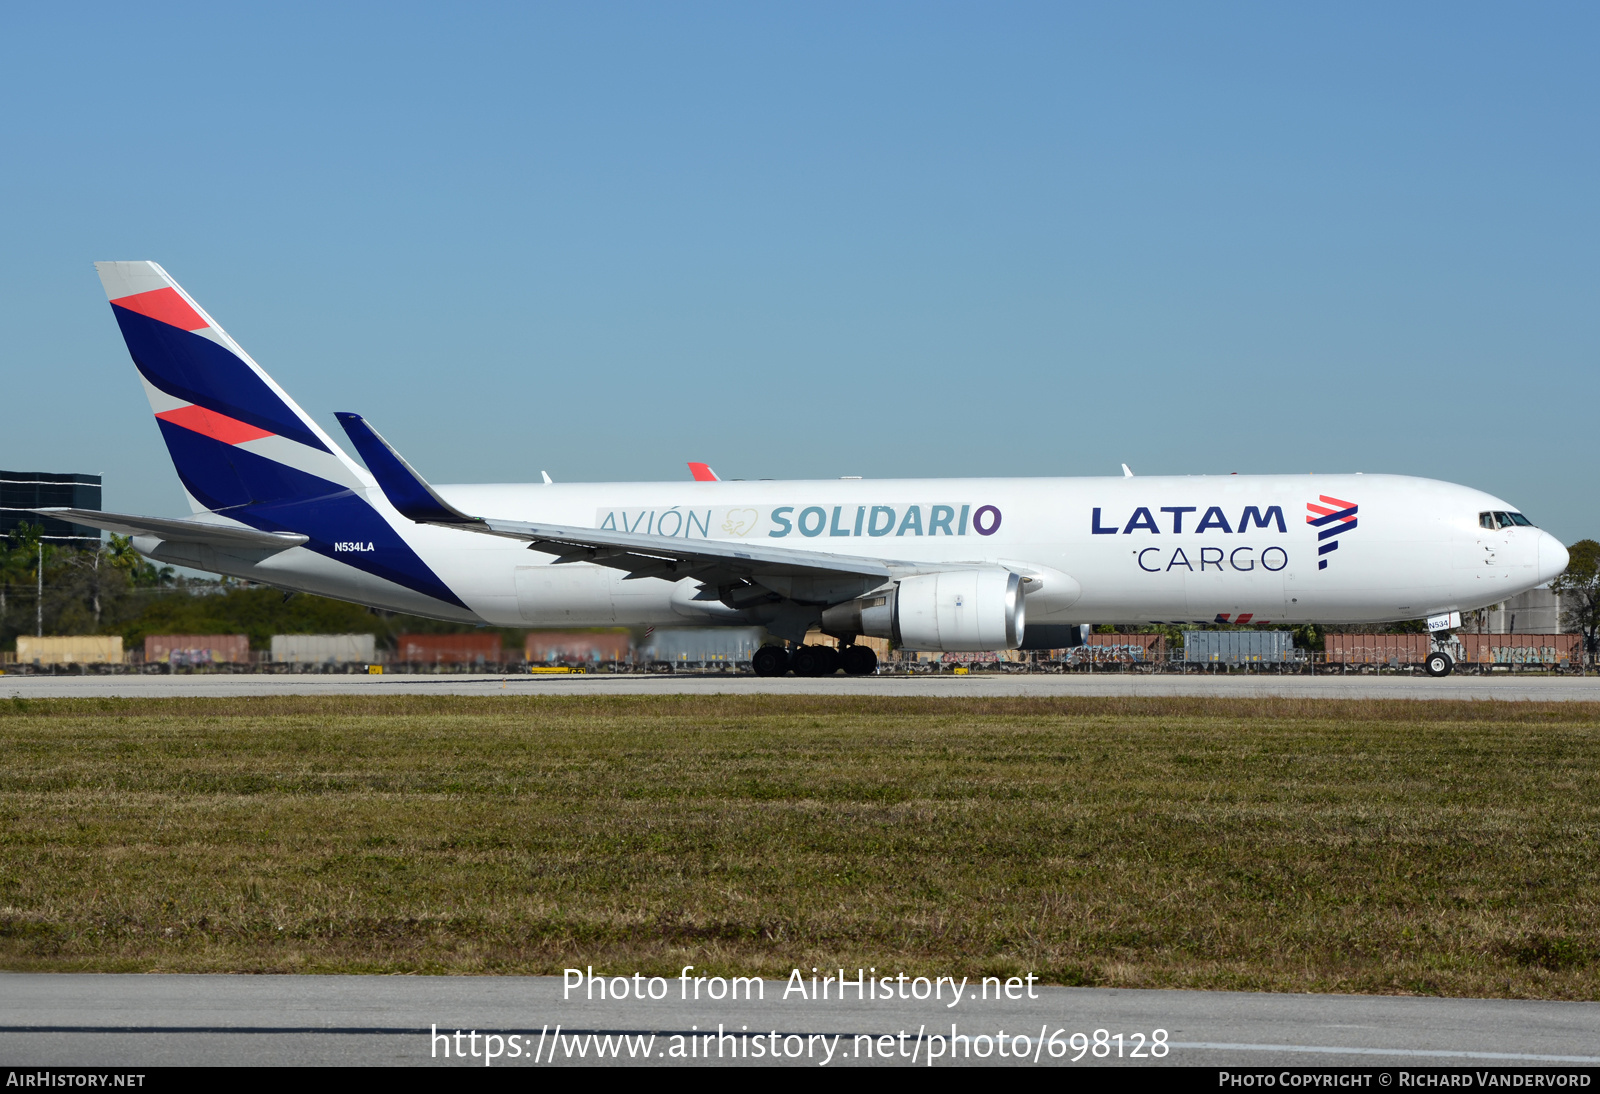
(805,661)
(770,661)
(814,661)
(1438,664)
(829,658)
(859,660)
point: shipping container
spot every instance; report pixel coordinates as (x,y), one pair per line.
(1520,649)
(694,645)
(1377,649)
(1237,647)
(324,649)
(576,647)
(91,649)
(448,649)
(971,657)
(196,649)
(1106,649)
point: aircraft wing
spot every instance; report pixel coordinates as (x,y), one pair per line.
(180,531)
(715,562)
(667,556)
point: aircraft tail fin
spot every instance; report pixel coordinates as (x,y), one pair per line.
(236,438)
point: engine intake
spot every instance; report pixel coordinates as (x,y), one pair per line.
(950,611)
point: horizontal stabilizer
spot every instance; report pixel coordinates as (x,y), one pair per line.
(406,490)
(178,531)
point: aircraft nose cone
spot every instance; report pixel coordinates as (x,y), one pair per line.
(1552,557)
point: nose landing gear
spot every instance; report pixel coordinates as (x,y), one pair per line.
(1439,663)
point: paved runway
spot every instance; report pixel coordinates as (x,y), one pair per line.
(153,1020)
(1506,688)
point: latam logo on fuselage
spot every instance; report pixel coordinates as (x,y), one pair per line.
(1334,517)
(1200,559)
(1331,516)
(1214,519)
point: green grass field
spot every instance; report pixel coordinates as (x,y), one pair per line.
(1420,847)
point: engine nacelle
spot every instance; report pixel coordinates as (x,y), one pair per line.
(950,611)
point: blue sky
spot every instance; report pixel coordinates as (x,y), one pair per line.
(828,239)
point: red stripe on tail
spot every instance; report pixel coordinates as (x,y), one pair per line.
(211,424)
(164,306)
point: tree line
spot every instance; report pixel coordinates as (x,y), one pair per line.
(113,589)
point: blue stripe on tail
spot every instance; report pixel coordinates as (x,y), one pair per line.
(270,496)
(187,366)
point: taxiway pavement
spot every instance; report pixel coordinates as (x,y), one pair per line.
(1511,688)
(123,1021)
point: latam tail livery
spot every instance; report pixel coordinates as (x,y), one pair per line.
(933,564)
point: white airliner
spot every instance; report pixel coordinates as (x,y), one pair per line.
(933,564)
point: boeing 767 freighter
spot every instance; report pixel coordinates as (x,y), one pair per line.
(932,564)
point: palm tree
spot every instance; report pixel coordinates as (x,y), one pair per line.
(121,554)
(139,571)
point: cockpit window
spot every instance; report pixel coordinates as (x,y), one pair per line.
(1497,520)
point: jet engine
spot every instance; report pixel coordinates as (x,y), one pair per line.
(949,611)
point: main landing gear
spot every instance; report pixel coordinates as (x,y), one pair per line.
(814,661)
